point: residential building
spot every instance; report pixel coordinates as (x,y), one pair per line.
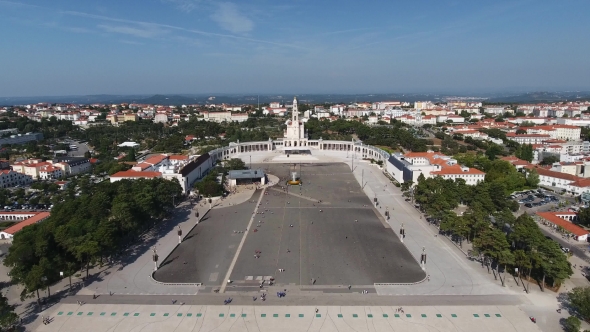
(30,167)
(408,167)
(50,172)
(528,138)
(564,221)
(21,139)
(25,218)
(10,178)
(420,105)
(134,175)
(563,132)
(186,170)
(161,118)
(73,165)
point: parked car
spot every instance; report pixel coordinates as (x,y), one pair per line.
(529,205)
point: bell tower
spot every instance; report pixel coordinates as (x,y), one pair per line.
(295,111)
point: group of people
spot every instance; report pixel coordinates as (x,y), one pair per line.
(46,320)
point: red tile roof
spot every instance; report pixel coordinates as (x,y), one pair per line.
(156,159)
(568,226)
(33,220)
(558,175)
(134,174)
(456,169)
(178,157)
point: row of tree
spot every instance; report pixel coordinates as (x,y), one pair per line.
(499,239)
(84,229)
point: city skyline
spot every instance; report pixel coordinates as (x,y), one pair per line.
(200,46)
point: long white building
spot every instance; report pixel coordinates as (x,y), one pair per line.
(409,166)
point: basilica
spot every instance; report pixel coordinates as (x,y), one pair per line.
(295,135)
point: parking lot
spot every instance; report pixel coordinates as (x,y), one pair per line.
(534,198)
(338,241)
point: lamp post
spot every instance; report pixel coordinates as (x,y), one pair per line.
(179,235)
(402,233)
(423,258)
(155,258)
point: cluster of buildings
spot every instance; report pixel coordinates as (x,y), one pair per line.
(37,169)
(409,166)
(185,169)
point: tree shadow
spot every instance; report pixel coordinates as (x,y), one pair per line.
(168,261)
(565,304)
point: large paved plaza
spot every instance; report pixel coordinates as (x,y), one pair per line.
(90,318)
(323,233)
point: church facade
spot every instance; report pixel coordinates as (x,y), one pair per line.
(295,135)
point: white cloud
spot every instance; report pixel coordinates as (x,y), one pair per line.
(168,27)
(141,30)
(229,18)
(186,6)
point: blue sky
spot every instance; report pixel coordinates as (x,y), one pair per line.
(66,47)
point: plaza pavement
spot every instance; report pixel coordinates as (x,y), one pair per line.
(115,318)
(455,282)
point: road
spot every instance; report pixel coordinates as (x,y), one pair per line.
(82,148)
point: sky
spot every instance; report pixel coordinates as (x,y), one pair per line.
(66,47)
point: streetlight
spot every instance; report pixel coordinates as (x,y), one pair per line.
(402,233)
(423,258)
(155,258)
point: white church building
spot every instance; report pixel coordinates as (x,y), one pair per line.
(295,135)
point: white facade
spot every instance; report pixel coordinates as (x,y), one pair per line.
(161,118)
(410,166)
(10,178)
(295,134)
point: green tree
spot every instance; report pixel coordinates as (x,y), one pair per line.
(572,324)
(505,258)
(532,178)
(525,152)
(7,315)
(492,245)
(553,263)
(493,151)
(522,261)
(235,164)
(584,216)
(130,155)
(579,299)
(549,160)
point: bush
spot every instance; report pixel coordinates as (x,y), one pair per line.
(572,324)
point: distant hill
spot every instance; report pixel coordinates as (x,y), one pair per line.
(183,99)
(541,97)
